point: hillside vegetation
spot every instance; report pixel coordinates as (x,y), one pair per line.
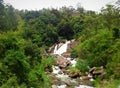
(25,35)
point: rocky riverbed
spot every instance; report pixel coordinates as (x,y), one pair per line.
(61,76)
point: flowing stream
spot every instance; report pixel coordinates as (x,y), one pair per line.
(62,76)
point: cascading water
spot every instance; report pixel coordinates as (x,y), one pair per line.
(55,49)
(62,49)
(57,70)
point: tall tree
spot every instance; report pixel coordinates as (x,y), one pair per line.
(111,16)
(11,17)
(2,16)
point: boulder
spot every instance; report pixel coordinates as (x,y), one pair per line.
(85,78)
(64,70)
(48,69)
(62,63)
(54,79)
(60,72)
(51,49)
(74,74)
(97,72)
(68,83)
(59,45)
(72,44)
(66,54)
(92,70)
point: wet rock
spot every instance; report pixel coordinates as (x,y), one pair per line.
(85,82)
(92,70)
(66,54)
(62,41)
(97,72)
(74,74)
(59,45)
(48,69)
(51,49)
(62,63)
(85,78)
(68,83)
(64,71)
(60,72)
(52,76)
(54,80)
(72,44)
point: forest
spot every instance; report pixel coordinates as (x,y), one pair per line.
(25,36)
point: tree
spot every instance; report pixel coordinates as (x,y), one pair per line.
(65,30)
(2,16)
(111,16)
(11,17)
(49,35)
(67,11)
(80,9)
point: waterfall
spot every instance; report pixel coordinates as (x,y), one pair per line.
(59,73)
(55,49)
(62,49)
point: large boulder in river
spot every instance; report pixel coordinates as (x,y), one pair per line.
(73,43)
(85,77)
(62,63)
(97,72)
(74,74)
(59,45)
(51,49)
(66,54)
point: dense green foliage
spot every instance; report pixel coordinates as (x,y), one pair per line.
(26,35)
(96,49)
(82,66)
(110,84)
(21,62)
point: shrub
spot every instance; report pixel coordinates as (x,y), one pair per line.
(108,84)
(74,69)
(74,54)
(113,67)
(82,66)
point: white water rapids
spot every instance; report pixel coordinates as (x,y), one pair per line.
(62,49)
(56,69)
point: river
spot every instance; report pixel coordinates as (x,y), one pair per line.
(65,80)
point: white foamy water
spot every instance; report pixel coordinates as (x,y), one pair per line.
(56,69)
(63,77)
(61,86)
(62,49)
(55,49)
(73,62)
(83,86)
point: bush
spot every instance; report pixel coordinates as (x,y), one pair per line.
(82,66)
(74,69)
(74,54)
(108,84)
(113,67)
